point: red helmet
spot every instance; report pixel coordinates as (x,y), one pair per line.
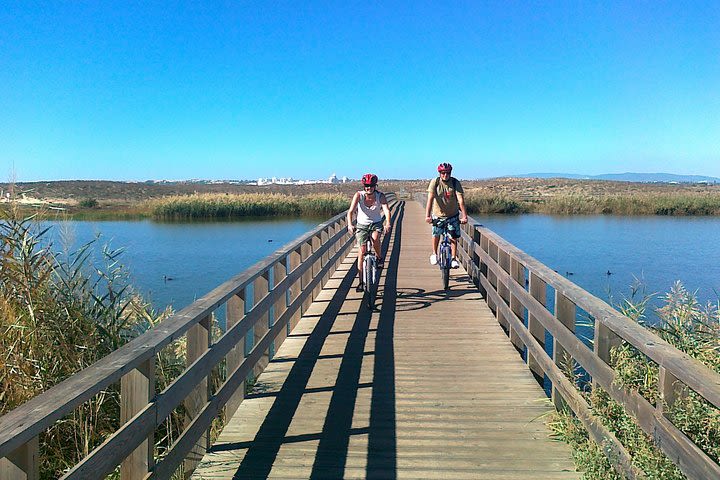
(444,167)
(369,180)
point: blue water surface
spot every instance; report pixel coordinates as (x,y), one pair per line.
(172,264)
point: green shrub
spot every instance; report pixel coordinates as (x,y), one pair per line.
(88,203)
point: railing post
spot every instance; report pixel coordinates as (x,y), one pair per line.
(482,268)
(538,290)
(603,343)
(316,266)
(260,289)
(306,251)
(670,389)
(517,274)
(198,341)
(492,252)
(565,313)
(503,259)
(235,312)
(23,463)
(137,389)
(325,235)
(279,274)
(294,259)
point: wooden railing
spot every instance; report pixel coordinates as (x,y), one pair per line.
(515,286)
(285,283)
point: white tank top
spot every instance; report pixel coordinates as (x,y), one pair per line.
(369,215)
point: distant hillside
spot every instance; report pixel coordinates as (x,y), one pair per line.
(630,177)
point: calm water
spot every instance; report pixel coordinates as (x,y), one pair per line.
(173,264)
(176,263)
(657,251)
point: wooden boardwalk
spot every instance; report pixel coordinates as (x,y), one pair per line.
(427,386)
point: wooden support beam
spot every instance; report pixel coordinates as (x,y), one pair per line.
(198,341)
(137,389)
(306,251)
(538,289)
(235,312)
(294,259)
(565,312)
(261,327)
(279,273)
(517,274)
(23,463)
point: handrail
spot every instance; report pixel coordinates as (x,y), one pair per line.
(513,282)
(303,266)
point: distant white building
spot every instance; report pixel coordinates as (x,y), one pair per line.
(333,179)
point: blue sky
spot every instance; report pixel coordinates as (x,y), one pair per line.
(235,90)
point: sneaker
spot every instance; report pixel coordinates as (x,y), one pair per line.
(454,263)
(433,259)
(380,262)
(360,287)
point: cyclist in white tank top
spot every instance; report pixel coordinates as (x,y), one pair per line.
(373,217)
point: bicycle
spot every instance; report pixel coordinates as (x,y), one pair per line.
(444,255)
(370,275)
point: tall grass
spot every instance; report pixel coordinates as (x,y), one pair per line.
(691,328)
(61,311)
(583,204)
(477,203)
(226,206)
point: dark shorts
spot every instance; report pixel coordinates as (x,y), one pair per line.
(452,224)
(363,231)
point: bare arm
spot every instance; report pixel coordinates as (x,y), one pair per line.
(386,212)
(351,210)
(461,204)
(428,207)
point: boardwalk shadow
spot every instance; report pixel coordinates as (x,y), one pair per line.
(332,452)
(331,455)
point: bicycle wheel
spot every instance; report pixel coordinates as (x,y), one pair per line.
(370,280)
(445,260)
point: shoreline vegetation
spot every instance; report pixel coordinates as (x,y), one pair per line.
(179,201)
(677,204)
(691,328)
(217,206)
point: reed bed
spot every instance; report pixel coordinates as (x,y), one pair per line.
(226,206)
(61,311)
(494,204)
(681,203)
(693,329)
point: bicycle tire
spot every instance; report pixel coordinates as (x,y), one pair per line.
(370,279)
(445,259)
